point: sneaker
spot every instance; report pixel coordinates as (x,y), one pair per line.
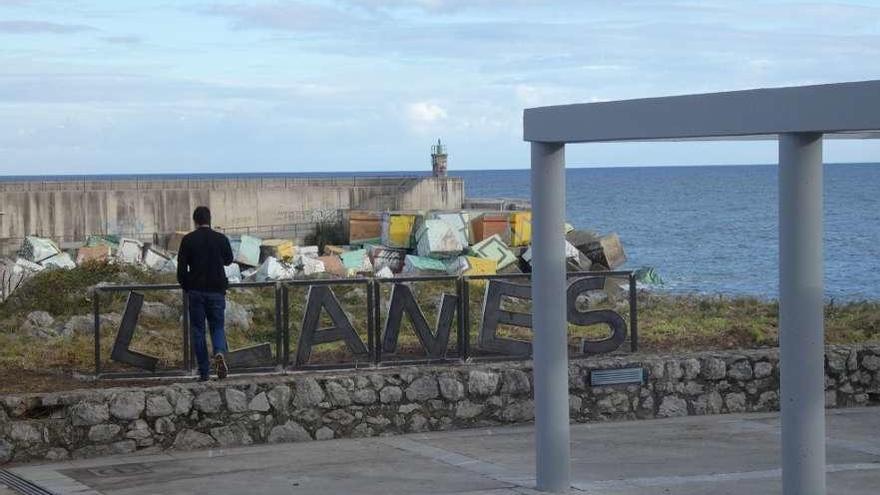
(220,366)
(204,378)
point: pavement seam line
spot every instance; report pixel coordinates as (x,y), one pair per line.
(490,470)
(711,478)
(860,447)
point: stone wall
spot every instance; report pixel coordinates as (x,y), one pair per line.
(359,403)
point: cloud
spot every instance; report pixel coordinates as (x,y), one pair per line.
(123,40)
(447,6)
(425,112)
(29,27)
(288,16)
(117,87)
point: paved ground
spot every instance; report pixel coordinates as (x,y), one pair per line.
(709,454)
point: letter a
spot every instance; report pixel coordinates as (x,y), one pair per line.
(320,296)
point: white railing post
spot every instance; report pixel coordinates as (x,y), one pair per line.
(801,317)
(550,347)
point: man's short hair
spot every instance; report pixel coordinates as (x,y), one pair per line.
(202,215)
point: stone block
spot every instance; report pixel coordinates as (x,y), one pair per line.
(767,401)
(279,397)
(181,398)
(418,423)
(711,403)
(871,363)
(165,426)
(340,416)
(408,408)
(54,454)
(190,440)
(230,436)
(836,362)
(713,368)
(614,403)
(236,401)
(208,401)
(337,393)
(691,368)
(103,433)
(259,403)
(365,396)
(422,389)
(672,406)
(830,398)
(324,433)
(289,432)
(390,394)
(468,410)
(451,388)
(518,411)
(482,383)
(25,434)
(139,430)
(128,405)
(158,405)
(740,370)
(763,369)
(308,393)
(515,382)
(673,371)
(89,413)
(735,402)
(852,361)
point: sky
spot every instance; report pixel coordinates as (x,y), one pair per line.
(214,86)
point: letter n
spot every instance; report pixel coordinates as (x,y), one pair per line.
(403,301)
(321,297)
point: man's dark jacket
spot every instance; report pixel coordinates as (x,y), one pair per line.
(200,260)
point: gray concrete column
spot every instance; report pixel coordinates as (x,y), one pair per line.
(550,347)
(801,317)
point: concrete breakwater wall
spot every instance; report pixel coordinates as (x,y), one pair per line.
(357,403)
(70,210)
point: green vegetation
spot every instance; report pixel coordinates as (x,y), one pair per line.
(66,292)
(666,323)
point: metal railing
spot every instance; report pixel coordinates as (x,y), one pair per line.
(376,355)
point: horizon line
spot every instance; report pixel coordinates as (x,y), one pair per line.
(379,173)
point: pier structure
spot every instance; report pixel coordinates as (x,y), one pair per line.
(147,208)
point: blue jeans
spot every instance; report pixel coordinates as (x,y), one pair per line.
(209,306)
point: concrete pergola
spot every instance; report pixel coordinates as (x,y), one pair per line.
(799,117)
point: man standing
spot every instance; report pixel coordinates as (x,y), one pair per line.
(201,259)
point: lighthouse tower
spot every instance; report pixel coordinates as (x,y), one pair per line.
(438,159)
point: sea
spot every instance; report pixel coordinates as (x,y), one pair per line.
(704,229)
(714,229)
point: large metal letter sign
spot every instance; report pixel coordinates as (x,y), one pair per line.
(320,296)
(493,316)
(121,352)
(403,300)
(592,317)
(251,356)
